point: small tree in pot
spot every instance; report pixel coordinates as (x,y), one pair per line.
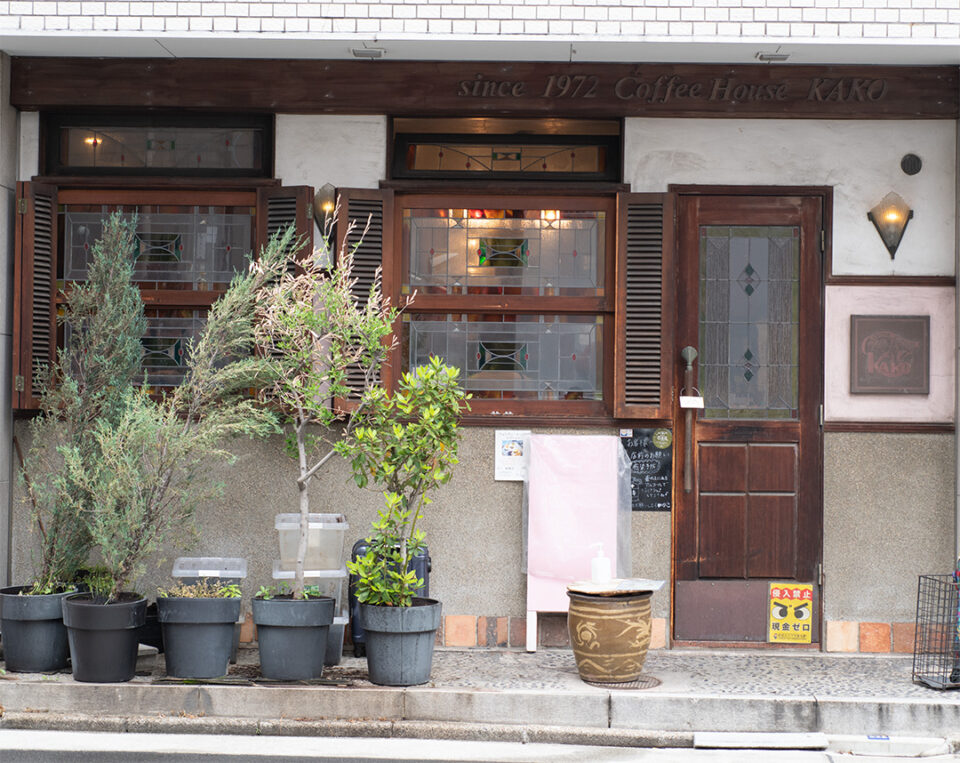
(407,443)
(150,468)
(316,332)
(86,385)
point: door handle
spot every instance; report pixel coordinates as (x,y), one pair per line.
(688,354)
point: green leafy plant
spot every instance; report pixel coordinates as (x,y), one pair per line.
(407,442)
(271,592)
(98,580)
(204,588)
(141,465)
(315,331)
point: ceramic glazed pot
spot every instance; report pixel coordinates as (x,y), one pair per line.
(292,636)
(197,634)
(399,641)
(104,637)
(34,637)
(610,635)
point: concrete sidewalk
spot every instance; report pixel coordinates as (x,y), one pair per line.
(516,696)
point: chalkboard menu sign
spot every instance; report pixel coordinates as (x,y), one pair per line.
(651,462)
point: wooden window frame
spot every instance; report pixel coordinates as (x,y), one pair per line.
(485,411)
(271,204)
(157,298)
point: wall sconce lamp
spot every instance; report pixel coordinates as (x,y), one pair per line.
(324,203)
(890,218)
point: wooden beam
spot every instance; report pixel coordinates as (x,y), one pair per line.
(421,88)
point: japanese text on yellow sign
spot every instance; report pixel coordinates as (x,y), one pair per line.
(791,613)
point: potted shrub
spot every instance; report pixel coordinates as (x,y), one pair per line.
(407,443)
(198,622)
(145,476)
(314,330)
(86,384)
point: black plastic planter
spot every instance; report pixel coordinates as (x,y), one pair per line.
(400,641)
(197,635)
(104,637)
(292,636)
(34,637)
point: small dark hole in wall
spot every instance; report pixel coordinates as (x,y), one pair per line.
(911,164)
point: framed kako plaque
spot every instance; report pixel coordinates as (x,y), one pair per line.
(890,354)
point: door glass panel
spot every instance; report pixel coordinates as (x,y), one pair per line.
(749,321)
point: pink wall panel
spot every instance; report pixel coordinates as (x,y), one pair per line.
(844,301)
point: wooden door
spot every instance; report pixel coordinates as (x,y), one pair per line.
(749,490)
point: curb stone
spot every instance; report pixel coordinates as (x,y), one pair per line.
(448,731)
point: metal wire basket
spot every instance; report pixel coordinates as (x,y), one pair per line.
(936,651)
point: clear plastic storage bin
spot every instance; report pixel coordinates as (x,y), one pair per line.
(334,650)
(325,538)
(332,583)
(192,569)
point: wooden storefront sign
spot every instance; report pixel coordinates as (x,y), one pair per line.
(420,88)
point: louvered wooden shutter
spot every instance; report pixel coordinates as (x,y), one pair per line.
(371,250)
(35,269)
(278,207)
(645,306)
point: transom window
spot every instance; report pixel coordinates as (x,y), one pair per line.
(160,144)
(507,149)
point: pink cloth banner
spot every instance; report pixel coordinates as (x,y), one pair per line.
(571,510)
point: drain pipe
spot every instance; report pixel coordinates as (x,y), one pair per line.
(9,131)
(956,354)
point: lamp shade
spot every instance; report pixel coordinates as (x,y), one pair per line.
(890,218)
(324,202)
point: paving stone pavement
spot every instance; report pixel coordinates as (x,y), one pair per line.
(699,672)
(745,673)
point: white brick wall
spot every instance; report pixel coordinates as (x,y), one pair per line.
(699,20)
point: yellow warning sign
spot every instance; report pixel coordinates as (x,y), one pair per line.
(791,613)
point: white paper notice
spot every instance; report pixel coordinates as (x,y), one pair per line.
(512,449)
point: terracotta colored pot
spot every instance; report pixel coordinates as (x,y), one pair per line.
(610,635)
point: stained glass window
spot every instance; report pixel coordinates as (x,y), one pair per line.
(197,245)
(161,147)
(545,149)
(514,291)
(159,144)
(539,357)
(185,256)
(517,158)
(509,251)
(749,321)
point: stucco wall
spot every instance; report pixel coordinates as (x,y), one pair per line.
(473,528)
(859,159)
(345,151)
(888,517)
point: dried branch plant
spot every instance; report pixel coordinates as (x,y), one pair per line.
(327,347)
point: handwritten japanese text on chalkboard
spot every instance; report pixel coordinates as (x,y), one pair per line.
(651,464)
